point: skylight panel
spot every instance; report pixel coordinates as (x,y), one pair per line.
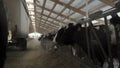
(75,15)
(46,12)
(49,4)
(53,15)
(58,8)
(40,2)
(67,12)
(92,5)
(65,1)
(105,8)
(78,3)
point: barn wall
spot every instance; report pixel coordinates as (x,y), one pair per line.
(13,14)
(24,20)
(17,16)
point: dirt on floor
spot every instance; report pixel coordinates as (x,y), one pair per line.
(37,57)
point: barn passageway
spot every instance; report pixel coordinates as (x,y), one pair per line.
(24,58)
(90,33)
(36,57)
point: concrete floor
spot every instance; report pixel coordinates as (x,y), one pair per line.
(37,57)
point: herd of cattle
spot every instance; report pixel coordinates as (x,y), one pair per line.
(96,43)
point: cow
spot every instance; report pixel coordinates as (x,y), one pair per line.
(76,35)
(59,34)
(115,21)
(66,37)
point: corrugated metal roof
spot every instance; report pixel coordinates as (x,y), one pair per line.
(54,12)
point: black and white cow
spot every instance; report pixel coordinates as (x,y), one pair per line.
(75,34)
(59,35)
(115,20)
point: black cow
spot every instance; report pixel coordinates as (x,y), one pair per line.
(77,35)
(101,34)
(59,34)
(3,34)
(115,20)
(67,36)
(40,37)
(81,38)
(50,36)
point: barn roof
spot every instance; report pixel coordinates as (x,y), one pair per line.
(49,15)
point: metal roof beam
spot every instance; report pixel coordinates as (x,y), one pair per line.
(108,2)
(52,18)
(78,8)
(43,29)
(49,24)
(52,23)
(43,23)
(65,8)
(43,7)
(53,11)
(70,7)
